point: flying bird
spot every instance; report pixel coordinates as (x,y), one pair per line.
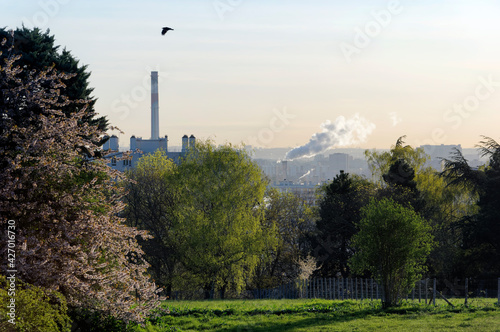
(164,30)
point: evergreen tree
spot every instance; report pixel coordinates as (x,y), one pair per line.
(38,52)
(339,213)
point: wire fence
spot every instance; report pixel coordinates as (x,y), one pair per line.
(427,290)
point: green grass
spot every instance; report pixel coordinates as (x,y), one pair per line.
(324,315)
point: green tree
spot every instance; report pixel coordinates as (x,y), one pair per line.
(397,165)
(151,199)
(480,231)
(339,213)
(406,180)
(396,172)
(219,216)
(393,243)
(445,208)
(292,220)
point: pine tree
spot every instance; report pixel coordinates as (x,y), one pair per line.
(38,51)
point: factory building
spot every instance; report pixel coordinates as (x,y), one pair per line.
(140,146)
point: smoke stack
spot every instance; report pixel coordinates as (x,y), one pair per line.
(192,141)
(185,143)
(155,126)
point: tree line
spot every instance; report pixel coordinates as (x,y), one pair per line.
(408,221)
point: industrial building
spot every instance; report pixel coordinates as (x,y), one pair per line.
(140,146)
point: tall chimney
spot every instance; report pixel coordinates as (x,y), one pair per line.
(155,126)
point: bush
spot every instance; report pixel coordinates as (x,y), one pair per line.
(85,320)
(36,309)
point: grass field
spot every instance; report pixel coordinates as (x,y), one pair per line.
(325,315)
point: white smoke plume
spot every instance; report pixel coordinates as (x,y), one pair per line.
(308,172)
(342,132)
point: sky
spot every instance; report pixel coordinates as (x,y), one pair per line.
(271,73)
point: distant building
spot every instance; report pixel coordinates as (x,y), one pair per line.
(438,152)
(305,191)
(338,162)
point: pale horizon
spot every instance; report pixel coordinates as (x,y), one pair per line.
(272,74)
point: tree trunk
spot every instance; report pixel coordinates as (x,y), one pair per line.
(388,296)
(222,292)
(169,291)
(208,291)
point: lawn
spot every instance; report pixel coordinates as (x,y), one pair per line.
(325,315)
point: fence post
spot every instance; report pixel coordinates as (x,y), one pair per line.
(349,287)
(341,288)
(371,282)
(434,293)
(426,289)
(466,290)
(419,290)
(345,291)
(310,289)
(362,284)
(498,292)
(353,292)
(330,287)
(356,290)
(314,287)
(307,288)
(333,288)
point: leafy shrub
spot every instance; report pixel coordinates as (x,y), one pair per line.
(36,309)
(85,320)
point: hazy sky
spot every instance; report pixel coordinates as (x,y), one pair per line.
(271,73)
